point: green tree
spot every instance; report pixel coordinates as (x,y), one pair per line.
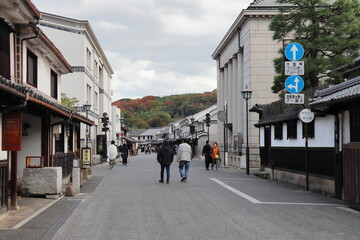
(68,102)
(329,31)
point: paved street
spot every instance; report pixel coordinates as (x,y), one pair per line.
(128,202)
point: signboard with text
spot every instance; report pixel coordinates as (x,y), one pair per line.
(294,98)
(86,156)
(306,115)
(294,68)
(294,84)
(11,131)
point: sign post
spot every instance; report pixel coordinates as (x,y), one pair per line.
(11,141)
(294,84)
(306,116)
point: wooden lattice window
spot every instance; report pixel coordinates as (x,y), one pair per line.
(311,130)
(292,129)
(278,131)
(355,126)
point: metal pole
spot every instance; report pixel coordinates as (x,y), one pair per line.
(306,156)
(87,131)
(208,133)
(224,144)
(13,183)
(247,140)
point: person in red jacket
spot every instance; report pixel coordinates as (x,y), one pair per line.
(215,155)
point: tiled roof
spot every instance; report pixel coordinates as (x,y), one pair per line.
(39,98)
(151,132)
(273,119)
(342,92)
(33,8)
(54,49)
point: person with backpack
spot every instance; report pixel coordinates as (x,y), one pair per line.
(165,157)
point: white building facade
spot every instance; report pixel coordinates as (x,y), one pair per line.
(91,81)
(244,60)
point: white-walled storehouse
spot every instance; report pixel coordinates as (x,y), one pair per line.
(91,81)
(34,125)
(244,60)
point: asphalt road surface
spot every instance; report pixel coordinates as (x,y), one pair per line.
(129,203)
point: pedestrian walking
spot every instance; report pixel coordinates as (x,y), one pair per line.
(165,157)
(112,153)
(206,152)
(124,154)
(215,155)
(184,157)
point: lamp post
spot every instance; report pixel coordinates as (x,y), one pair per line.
(192,130)
(247,95)
(86,107)
(121,121)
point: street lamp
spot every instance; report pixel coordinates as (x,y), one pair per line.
(247,95)
(86,108)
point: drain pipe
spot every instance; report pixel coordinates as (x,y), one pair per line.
(36,32)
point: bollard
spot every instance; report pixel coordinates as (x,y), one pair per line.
(76,175)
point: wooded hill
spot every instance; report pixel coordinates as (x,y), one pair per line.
(151,111)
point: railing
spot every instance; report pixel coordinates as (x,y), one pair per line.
(351,158)
(64,160)
(321,160)
(3,183)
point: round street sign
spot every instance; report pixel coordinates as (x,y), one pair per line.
(294,84)
(294,51)
(221,115)
(306,115)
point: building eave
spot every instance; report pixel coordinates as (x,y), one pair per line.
(239,22)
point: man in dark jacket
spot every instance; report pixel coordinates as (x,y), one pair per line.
(165,157)
(206,151)
(124,154)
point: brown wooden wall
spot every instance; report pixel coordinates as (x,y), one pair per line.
(351,158)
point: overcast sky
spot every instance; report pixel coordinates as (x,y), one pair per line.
(155,47)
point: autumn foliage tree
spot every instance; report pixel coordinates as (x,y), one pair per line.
(151,111)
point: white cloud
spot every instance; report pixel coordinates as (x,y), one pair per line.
(110,27)
(155,47)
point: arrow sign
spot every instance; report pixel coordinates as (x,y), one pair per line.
(294,51)
(294,84)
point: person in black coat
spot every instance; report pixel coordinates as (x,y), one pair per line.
(206,151)
(165,157)
(124,154)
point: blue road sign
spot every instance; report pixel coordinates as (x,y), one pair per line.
(294,51)
(294,84)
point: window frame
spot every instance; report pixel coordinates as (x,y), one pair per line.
(32,56)
(291,129)
(278,131)
(311,129)
(54,84)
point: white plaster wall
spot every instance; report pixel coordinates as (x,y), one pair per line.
(262,137)
(324,132)
(346,127)
(72,86)
(323,137)
(31,144)
(70,44)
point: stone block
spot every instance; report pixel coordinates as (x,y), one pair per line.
(42,181)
